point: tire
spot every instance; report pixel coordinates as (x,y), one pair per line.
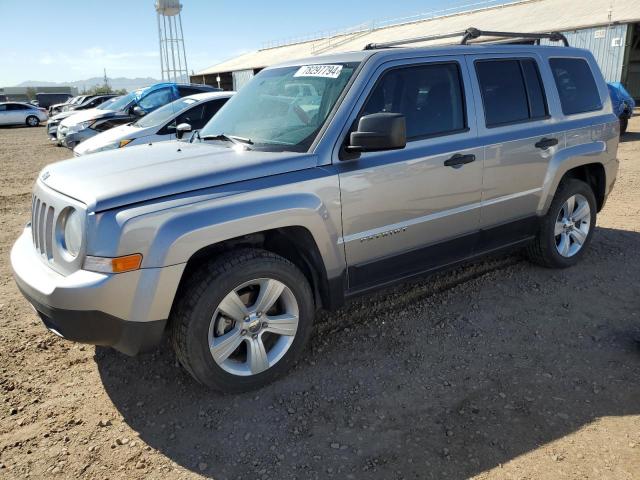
(198,320)
(624,123)
(32,121)
(546,249)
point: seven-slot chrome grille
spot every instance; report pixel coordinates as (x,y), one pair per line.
(43,227)
(48,210)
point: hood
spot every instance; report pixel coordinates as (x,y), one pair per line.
(63,115)
(84,115)
(112,135)
(114,178)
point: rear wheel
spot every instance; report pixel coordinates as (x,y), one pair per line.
(567,228)
(243,320)
(32,121)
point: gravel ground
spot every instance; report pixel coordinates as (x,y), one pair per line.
(497,370)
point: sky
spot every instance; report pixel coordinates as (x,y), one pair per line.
(71,40)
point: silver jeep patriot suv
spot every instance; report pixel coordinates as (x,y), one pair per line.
(321,179)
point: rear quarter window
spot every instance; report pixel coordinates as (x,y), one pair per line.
(576,85)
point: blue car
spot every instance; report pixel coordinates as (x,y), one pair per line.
(623,104)
(83,125)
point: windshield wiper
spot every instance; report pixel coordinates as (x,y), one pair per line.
(229,138)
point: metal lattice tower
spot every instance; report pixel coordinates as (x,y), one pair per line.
(173,57)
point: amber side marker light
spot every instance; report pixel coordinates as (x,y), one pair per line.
(127,263)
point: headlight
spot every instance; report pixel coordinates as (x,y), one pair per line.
(80,126)
(111,146)
(72,232)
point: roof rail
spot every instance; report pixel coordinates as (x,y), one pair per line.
(472,34)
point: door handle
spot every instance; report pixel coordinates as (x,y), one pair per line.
(546,143)
(458,160)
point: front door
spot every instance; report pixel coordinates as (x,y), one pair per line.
(411,210)
(4,114)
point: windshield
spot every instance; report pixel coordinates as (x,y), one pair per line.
(282,109)
(164,113)
(120,103)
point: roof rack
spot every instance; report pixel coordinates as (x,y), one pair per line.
(473,34)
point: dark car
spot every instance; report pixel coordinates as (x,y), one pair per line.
(622,103)
(87,104)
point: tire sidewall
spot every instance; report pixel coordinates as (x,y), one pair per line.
(37,121)
(570,188)
(204,367)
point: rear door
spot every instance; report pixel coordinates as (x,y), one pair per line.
(520,138)
(406,211)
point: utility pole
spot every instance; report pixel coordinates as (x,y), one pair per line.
(106,79)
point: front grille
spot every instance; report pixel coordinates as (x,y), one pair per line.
(42,227)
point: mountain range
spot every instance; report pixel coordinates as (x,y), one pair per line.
(116,83)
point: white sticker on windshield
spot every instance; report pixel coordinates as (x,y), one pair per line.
(325,71)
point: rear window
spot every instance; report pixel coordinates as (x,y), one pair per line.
(576,86)
(512,91)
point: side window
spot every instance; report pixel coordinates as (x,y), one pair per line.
(511,91)
(155,99)
(211,108)
(16,106)
(3,108)
(430,97)
(193,116)
(535,90)
(576,86)
(186,91)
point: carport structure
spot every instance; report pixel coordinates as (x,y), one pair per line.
(610,29)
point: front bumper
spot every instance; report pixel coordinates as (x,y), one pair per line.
(52,130)
(70,139)
(127,311)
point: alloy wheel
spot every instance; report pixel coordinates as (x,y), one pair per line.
(253,327)
(572,225)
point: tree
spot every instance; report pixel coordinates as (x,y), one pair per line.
(31,93)
(103,90)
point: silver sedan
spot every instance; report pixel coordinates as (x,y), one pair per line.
(14,113)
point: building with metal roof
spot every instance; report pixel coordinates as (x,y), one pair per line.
(609,28)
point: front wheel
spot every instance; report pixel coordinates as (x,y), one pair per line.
(567,228)
(243,320)
(32,121)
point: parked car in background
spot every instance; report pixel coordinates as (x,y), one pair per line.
(623,104)
(130,107)
(45,100)
(15,113)
(89,103)
(57,108)
(189,114)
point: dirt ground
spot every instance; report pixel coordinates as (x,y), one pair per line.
(497,370)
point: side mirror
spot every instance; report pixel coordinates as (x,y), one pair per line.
(182,129)
(379,131)
(138,111)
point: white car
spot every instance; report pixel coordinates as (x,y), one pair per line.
(159,125)
(15,113)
